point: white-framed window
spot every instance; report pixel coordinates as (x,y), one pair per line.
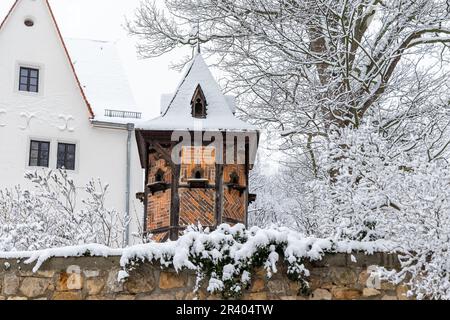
(52,153)
(29,78)
(39,155)
(66,156)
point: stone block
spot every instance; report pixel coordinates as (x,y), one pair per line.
(69,281)
(34,287)
(321,294)
(141,280)
(345,293)
(386,285)
(256,296)
(97,298)
(387,297)
(179,295)
(17,298)
(125,297)
(91,273)
(112,283)
(277,287)
(164,296)
(67,295)
(402,292)
(75,281)
(288,298)
(343,276)
(370,292)
(171,280)
(10,284)
(95,286)
(46,273)
(258,285)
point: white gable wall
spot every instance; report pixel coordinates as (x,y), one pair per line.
(58,113)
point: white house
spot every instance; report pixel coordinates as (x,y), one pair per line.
(66,103)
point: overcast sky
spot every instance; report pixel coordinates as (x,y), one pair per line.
(103,20)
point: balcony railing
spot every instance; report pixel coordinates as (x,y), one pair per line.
(122,114)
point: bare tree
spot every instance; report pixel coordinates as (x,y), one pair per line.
(305,66)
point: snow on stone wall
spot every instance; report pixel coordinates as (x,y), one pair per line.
(230,262)
(335,277)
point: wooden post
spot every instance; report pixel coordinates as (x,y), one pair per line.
(146,204)
(247,182)
(175,203)
(219,194)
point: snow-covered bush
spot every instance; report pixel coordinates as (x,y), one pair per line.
(377,190)
(227,257)
(368,188)
(48,216)
(224,259)
(422,227)
(349,195)
(355,188)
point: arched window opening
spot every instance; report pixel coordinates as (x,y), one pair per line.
(198,173)
(234,178)
(159,176)
(198,103)
(198,108)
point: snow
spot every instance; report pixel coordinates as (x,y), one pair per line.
(204,252)
(102,77)
(215,285)
(214,245)
(228,272)
(176,112)
(40,256)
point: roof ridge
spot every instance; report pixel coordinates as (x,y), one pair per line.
(186,74)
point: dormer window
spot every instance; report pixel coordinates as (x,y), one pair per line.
(199,104)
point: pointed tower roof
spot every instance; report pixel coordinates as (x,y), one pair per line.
(178,115)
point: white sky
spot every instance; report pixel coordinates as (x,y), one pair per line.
(103,20)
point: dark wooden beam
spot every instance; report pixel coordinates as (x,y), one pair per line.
(141,144)
(247,181)
(164,153)
(219,194)
(175,203)
(147,166)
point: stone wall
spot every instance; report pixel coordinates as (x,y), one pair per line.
(336,277)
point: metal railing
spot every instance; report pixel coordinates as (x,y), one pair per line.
(122,114)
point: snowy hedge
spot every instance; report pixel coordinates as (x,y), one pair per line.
(225,258)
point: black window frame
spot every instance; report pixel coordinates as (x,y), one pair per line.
(41,160)
(25,80)
(62,161)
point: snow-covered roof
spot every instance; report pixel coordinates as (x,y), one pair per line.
(176,113)
(102,77)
